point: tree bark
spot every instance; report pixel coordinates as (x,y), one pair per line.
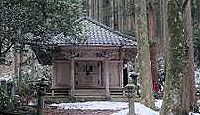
(144,53)
(188,101)
(164,28)
(179,86)
(153,44)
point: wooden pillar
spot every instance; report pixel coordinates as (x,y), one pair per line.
(54,79)
(121,74)
(72,77)
(107,79)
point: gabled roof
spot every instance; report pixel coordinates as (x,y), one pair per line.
(95,33)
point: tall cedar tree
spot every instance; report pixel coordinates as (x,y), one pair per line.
(144,53)
(179,86)
(153,41)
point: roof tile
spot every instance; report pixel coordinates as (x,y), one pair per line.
(99,34)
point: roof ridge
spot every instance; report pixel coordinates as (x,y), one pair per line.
(106,27)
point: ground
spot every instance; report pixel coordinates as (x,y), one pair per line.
(99,108)
(78,112)
(95,108)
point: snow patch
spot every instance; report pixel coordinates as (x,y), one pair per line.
(93,105)
(193,113)
(140,109)
(158,103)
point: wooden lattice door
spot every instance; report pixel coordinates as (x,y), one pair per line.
(88,74)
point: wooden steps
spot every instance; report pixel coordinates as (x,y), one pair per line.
(116,91)
(86,92)
(116,94)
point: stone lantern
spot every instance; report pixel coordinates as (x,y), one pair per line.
(130,92)
(41,87)
(41,91)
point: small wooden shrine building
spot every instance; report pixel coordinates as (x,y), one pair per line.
(93,68)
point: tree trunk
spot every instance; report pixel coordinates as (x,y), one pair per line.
(153,44)
(144,53)
(188,101)
(164,28)
(179,61)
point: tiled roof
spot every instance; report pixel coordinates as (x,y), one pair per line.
(95,33)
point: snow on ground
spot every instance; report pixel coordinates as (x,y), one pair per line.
(93,105)
(140,109)
(106,105)
(193,113)
(158,103)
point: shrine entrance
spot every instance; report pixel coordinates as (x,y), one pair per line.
(88,74)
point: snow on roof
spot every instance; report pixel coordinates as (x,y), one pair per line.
(95,33)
